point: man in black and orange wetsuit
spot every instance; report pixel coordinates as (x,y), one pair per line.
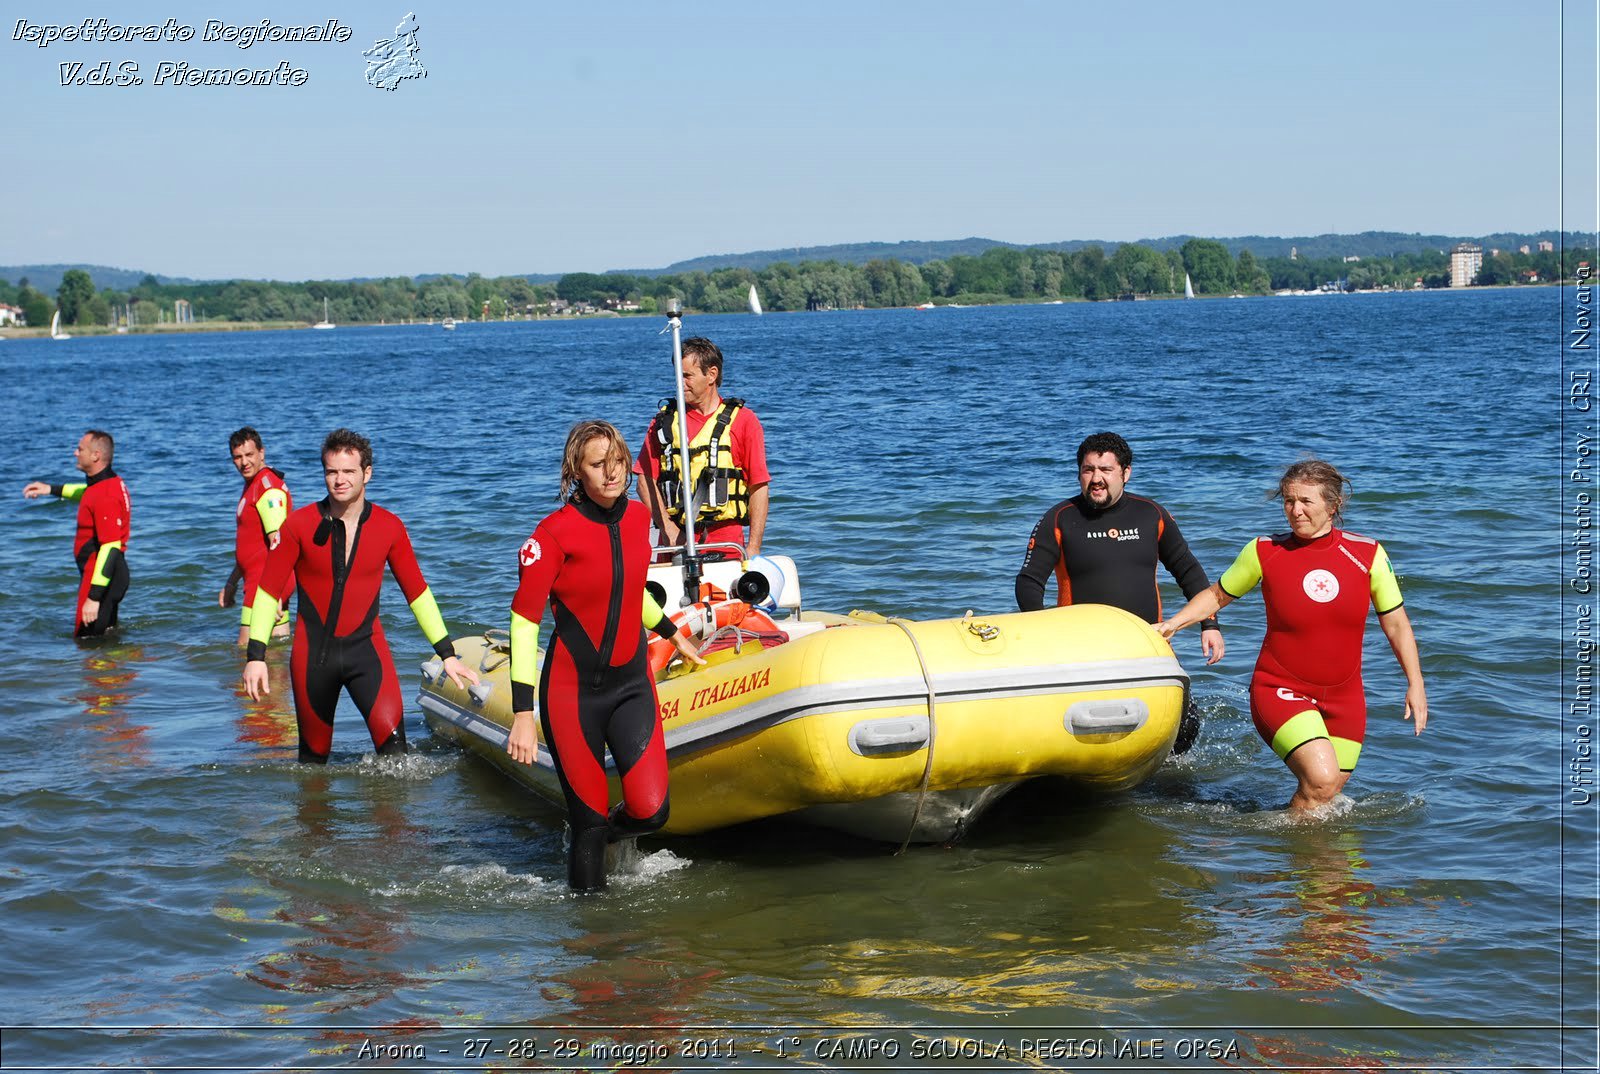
(101,543)
(263,509)
(1103,546)
(336,550)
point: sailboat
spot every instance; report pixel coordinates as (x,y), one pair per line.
(55,327)
(755,301)
(1188,288)
(324,323)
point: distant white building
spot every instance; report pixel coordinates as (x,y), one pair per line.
(11,315)
(1466,258)
(1546,246)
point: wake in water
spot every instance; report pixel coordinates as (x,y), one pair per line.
(480,885)
(412,767)
(631,867)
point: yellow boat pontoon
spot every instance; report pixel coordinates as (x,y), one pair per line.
(884,728)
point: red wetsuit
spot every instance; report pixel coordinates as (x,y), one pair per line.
(266,503)
(100,547)
(338,637)
(588,563)
(1307,680)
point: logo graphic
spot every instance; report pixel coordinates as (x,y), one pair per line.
(1351,557)
(1115,534)
(1286,694)
(1321,586)
(530,553)
(391,62)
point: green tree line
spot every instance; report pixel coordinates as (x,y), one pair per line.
(1000,274)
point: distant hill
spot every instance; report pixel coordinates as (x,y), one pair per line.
(1365,244)
(47,278)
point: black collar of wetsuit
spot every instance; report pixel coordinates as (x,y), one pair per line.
(325,508)
(595,513)
(1091,511)
(104,475)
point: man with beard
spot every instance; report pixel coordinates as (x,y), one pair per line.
(1103,546)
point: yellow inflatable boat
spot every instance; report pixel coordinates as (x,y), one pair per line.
(887,729)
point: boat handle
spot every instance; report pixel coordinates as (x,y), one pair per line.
(1115,716)
(431,669)
(981,630)
(892,734)
(497,643)
(479,692)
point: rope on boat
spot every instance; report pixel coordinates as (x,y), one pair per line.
(933,703)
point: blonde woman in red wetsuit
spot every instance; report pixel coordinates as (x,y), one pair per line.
(587,563)
(1317,581)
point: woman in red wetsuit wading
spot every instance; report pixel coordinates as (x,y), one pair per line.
(1317,582)
(587,562)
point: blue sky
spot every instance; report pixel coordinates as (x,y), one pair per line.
(552,138)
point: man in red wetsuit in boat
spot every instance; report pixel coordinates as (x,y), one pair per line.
(336,550)
(263,509)
(101,542)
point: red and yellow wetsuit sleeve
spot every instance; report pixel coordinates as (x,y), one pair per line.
(1244,574)
(273,590)
(538,562)
(403,565)
(1385,586)
(273,507)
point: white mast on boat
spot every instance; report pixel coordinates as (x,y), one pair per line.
(1188,288)
(691,560)
(324,323)
(755,301)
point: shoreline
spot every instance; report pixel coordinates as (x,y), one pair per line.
(87,331)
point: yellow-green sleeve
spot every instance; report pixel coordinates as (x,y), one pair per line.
(524,663)
(1245,573)
(426,609)
(273,507)
(102,573)
(1385,586)
(72,492)
(263,614)
(656,620)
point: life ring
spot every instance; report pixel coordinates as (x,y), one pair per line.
(703,619)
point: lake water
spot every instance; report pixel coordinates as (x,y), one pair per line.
(166,863)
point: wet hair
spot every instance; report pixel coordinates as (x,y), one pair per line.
(102,443)
(1335,487)
(572,457)
(240,436)
(346,440)
(1103,442)
(707,353)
